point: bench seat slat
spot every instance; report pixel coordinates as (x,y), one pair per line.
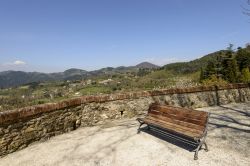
(175,126)
(176,121)
(172,128)
(191,130)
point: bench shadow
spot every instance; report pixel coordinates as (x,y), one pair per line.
(237,110)
(172,138)
(236,122)
(224,122)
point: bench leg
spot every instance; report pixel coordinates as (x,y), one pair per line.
(197,151)
(201,142)
(196,155)
(139,129)
(206,148)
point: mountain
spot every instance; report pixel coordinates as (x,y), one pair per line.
(124,69)
(147,65)
(74,71)
(194,65)
(74,74)
(16,78)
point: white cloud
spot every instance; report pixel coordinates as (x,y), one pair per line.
(15,63)
(19,62)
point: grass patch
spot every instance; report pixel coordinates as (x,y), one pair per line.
(95,90)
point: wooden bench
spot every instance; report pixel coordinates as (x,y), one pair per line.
(187,124)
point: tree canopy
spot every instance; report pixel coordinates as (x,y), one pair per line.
(230,66)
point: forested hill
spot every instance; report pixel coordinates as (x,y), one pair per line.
(16,78)
(194,65)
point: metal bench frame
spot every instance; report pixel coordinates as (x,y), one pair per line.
(198,141)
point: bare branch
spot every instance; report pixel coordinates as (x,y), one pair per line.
(246,10)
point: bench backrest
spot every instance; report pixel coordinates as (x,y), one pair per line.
(181,116)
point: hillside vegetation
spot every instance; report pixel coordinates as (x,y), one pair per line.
(229,67)
(195,65)
(37,88)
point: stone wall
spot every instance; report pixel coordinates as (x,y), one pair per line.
(20,127)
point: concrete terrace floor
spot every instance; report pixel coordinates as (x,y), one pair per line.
(117,143)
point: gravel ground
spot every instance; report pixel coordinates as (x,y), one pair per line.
(117,143)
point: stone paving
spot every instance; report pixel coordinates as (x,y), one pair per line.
(117,143)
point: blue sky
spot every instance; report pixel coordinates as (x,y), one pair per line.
(54,35)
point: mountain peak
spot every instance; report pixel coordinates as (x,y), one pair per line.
(73,71)
(147,65)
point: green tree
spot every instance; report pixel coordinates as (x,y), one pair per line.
(243,58)
(245,75)
(210,69)
(143,72)
(229,66)
(230,47)
(230,70)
